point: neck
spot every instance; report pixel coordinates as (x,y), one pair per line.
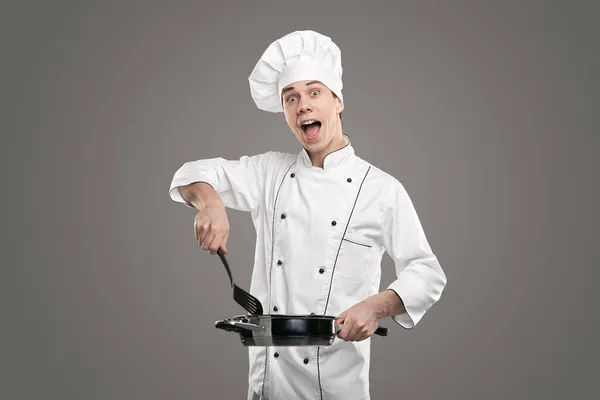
(336,143)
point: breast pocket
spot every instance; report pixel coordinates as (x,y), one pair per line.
(354,258)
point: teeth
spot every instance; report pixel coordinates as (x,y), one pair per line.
(310,121)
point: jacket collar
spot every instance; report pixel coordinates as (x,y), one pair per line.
(332,160)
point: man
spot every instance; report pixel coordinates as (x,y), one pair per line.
(323,218)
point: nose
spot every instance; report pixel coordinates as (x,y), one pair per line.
(304,105)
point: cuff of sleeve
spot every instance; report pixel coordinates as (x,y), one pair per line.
(176,195)
(407,291)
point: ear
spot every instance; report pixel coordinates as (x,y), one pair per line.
(339,106)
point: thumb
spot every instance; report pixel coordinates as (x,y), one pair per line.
(339,322)
(224,244)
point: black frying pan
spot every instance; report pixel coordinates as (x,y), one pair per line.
(282,330)
(285,330)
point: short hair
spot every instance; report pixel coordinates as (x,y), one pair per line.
(335,96)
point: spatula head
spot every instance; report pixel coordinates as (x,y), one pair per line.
(247,301)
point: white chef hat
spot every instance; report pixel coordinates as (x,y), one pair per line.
(297,56)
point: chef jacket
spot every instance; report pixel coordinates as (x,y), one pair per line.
(321,234)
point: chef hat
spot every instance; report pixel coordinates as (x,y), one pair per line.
(297,56)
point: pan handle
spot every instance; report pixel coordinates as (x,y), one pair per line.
(236,326)
(381,331)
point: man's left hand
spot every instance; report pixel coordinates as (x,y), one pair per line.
(359,322)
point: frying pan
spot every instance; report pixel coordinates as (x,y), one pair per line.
(285,330)
(281,329)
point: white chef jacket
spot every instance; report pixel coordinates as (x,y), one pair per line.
(321,234)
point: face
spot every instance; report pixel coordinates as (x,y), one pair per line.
(312,113)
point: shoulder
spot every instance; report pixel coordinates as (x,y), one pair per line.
(388,188)
(377,177)
(275,160)
(281,157)
(270,159)
(273,164)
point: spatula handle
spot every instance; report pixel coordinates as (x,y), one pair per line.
(224,260)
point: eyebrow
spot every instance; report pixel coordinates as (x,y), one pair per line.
(292,87)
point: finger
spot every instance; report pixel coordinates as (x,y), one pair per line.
(202,236)
(368,331)
(368,334)
(339,321)
(215,243)
(197,228)
(201,231)
(346,329)
(362,335)
(208,238)
(355,333)
(339,325)
(224,244)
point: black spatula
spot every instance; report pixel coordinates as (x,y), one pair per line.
(243,298)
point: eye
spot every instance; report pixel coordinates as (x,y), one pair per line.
(315,92)
(290,98)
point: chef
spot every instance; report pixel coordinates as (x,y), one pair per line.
(323,219)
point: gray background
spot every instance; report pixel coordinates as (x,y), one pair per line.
(486,111)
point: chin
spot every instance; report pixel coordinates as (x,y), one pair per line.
(315,144)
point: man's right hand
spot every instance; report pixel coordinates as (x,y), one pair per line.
(211,225)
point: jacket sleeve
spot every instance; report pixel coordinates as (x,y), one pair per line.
(240,183)
(420,278)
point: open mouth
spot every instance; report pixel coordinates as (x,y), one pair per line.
(311,128)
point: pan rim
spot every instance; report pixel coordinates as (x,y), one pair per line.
(288,316)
